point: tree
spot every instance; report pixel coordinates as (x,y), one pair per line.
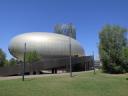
(2,58)
(124,58)
(112,48)
(32,57)
(12,61)
(65,29)
(6,63)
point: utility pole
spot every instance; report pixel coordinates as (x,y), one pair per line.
(24,62)
(70,52)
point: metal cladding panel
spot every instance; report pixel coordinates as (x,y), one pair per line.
(46,44)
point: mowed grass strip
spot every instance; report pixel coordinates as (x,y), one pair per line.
(82,84)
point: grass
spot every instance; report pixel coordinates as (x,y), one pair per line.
(84,84)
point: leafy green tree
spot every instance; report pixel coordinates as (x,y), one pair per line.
(32,57)
(12,61)
(6,63)
(112,48)
(2,58)
(124,58)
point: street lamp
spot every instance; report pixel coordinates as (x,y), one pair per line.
(24,62)
(70,51)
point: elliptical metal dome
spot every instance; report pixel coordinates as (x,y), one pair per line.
(46,44)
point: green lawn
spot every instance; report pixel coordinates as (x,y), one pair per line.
(84,84)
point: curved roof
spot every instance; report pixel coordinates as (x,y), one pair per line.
(45,43)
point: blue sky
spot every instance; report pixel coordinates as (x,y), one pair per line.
(88,16)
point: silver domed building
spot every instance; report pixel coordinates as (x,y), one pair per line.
(48,45)
(54,50)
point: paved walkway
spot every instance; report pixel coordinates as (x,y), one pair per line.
(41,75)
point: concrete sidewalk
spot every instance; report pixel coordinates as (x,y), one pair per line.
(30,76)
(41,75)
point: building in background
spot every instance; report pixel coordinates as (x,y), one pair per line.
(66,29)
